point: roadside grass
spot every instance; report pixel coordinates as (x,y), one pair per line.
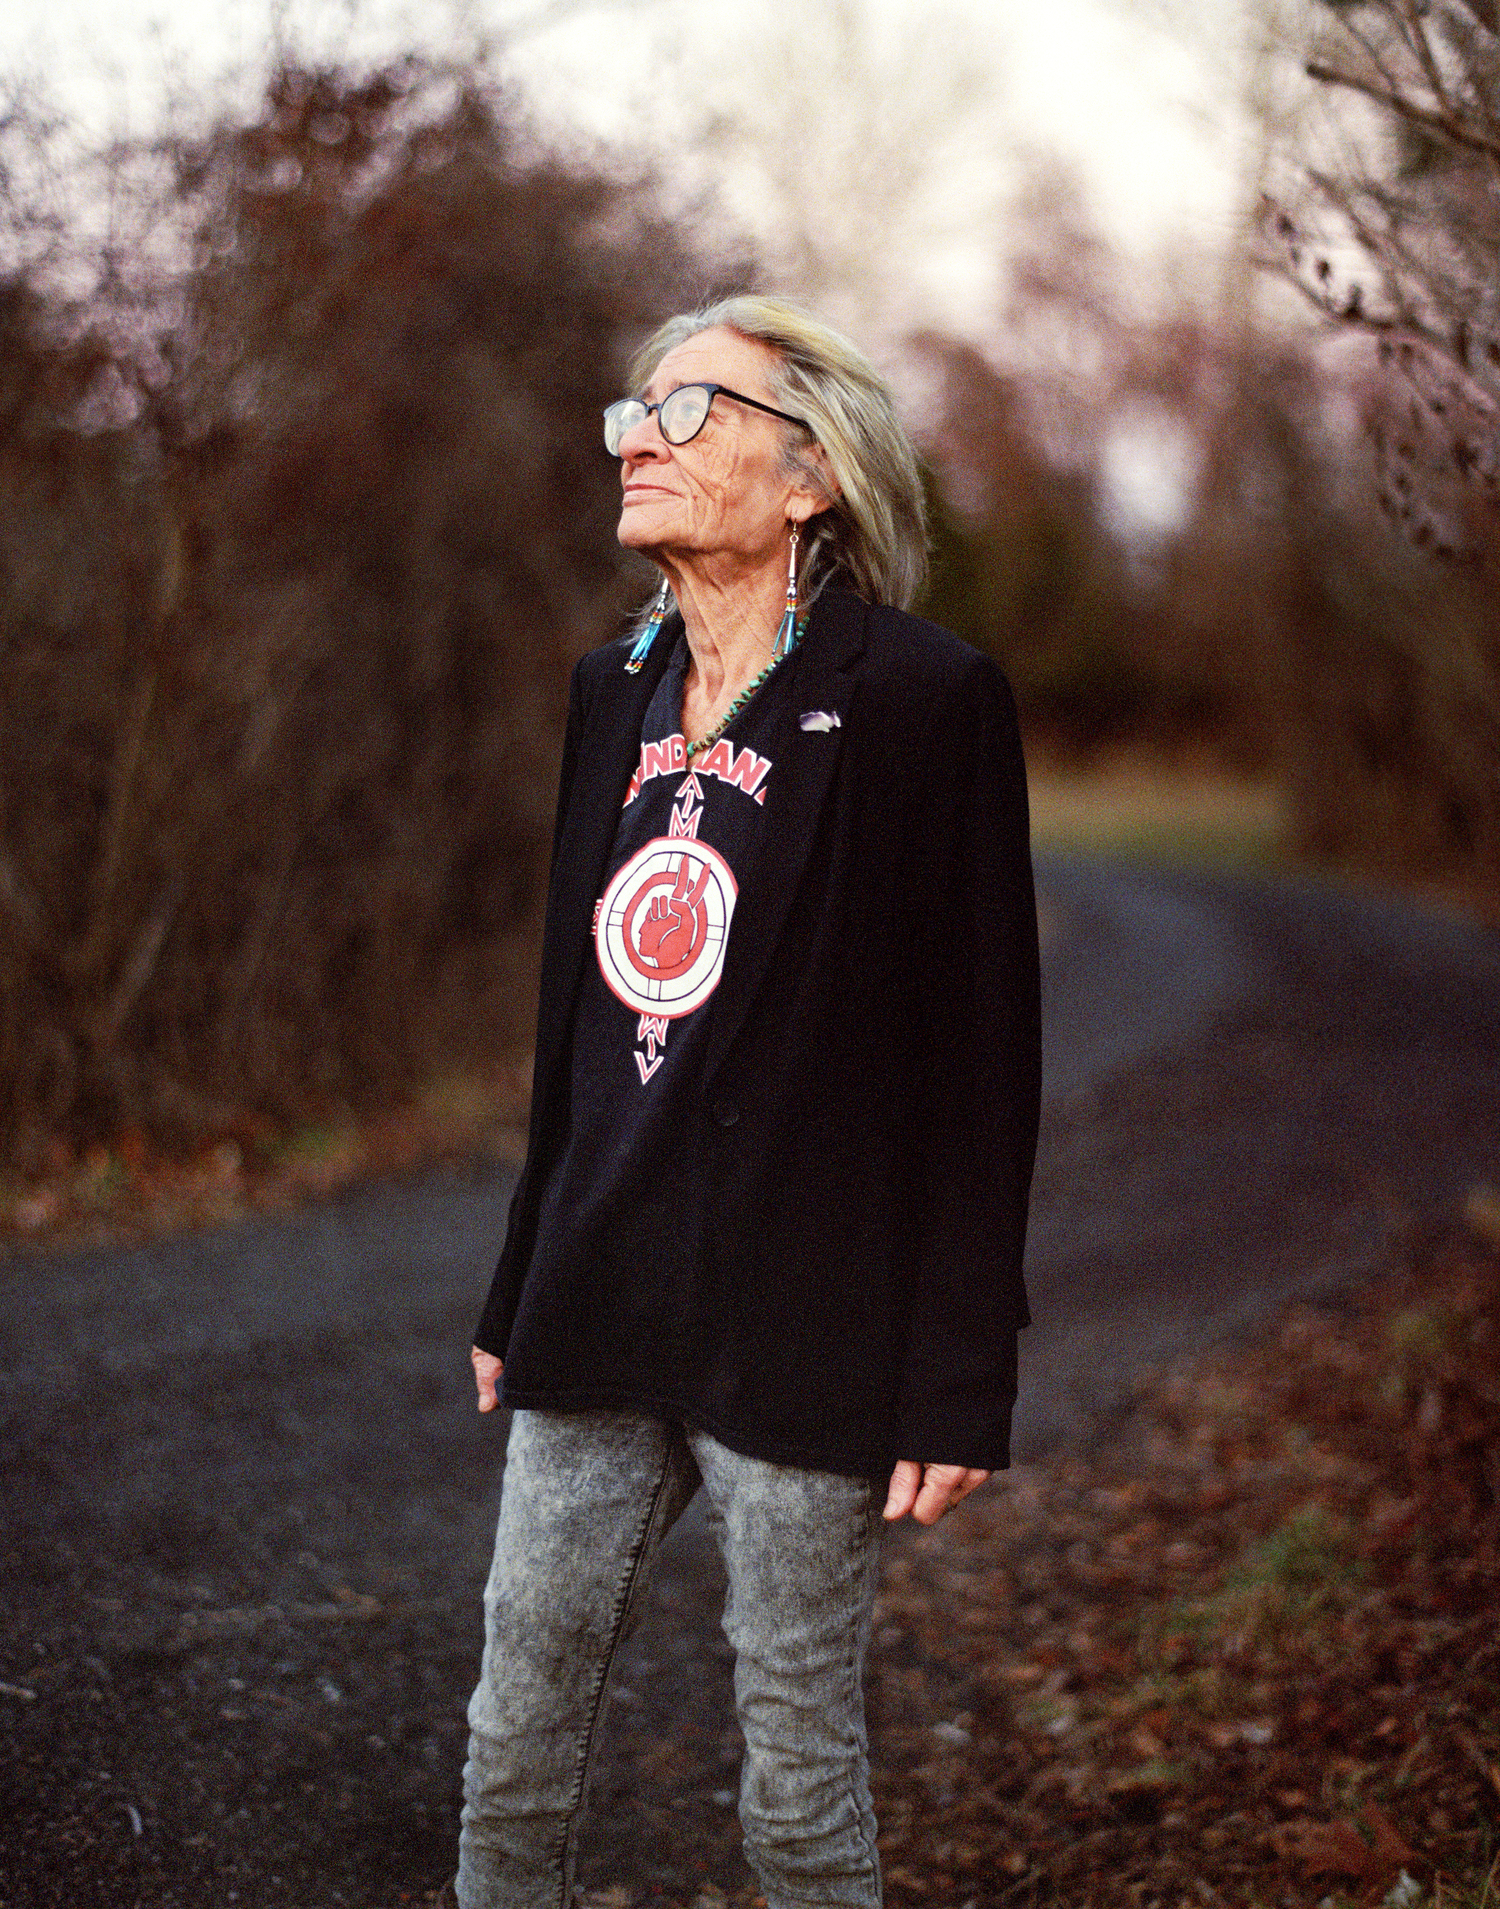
(1157,809)
(138,1187)
(1136,807)
(1303,1574)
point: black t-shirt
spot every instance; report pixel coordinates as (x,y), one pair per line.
(607,1313)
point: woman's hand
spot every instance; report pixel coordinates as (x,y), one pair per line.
(487,1369)
(927,1491)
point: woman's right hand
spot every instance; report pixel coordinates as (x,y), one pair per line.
(487,1368)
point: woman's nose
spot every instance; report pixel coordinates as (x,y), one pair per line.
(642,440)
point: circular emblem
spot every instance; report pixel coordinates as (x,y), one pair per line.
(663,925)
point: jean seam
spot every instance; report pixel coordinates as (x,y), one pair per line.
(852,1693)
(596,1703)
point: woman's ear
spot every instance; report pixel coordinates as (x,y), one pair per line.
(815,488)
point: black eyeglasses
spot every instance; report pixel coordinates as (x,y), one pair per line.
(681,414)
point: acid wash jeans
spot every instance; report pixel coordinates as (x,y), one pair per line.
(587,1499)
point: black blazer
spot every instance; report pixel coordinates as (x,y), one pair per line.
(866,1125)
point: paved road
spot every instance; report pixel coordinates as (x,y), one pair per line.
(248,1504)
(1254,1088)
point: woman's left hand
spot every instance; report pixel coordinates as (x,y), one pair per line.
(927,1491)
(487,1370)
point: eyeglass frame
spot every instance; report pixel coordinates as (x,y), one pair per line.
(696,384)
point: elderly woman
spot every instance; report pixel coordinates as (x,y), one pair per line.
(768,1237)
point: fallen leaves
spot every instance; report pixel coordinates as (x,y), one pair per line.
(1471,1749)
(1247,1655)
(1365,1847)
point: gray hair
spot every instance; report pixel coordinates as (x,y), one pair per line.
(873,536)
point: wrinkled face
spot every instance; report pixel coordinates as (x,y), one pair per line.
(724,496)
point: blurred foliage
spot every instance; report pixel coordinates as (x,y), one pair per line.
(1027,567)
(1277,625)
(1376,674)
(304,518)
(292,574)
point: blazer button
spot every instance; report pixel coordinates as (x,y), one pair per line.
(726,1113)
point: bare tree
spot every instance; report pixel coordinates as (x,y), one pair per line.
(1401,243)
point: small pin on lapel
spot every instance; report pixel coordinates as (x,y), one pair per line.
(820,719)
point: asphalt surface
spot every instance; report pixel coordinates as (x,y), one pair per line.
(248,1504)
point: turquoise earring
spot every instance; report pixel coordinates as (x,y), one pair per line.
(786,636)
(650,631)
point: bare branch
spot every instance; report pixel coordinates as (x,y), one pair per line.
(1381,247)
(1426,235)
(1372,54)
(1466,137)
(1483,25)
(1422,46)
(1376,244)
(1483,20)
(1339,315)
(1391,9)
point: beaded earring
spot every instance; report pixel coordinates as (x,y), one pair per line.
(649,631)
(786,636)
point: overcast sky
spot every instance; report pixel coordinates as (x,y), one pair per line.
(1148,117)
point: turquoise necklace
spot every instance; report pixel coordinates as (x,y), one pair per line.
(708,741)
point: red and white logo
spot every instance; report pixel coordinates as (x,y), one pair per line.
(663,925)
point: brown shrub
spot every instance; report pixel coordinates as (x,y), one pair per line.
(293,567)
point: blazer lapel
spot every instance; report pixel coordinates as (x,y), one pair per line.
(608,752)
(803,764)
